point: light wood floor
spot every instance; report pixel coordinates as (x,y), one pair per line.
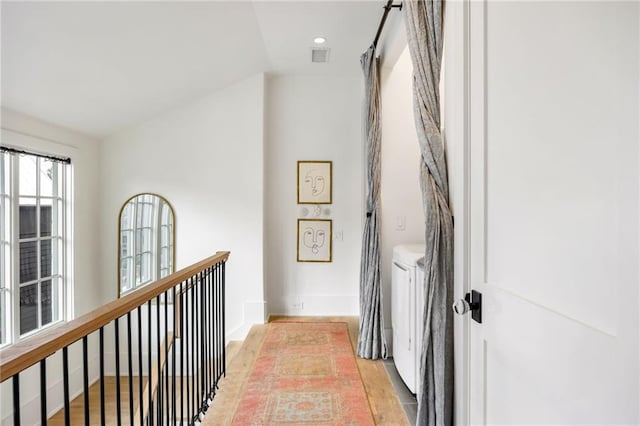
(77,405)
(385,406)
(383,400)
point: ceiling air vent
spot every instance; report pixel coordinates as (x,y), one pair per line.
(320,55)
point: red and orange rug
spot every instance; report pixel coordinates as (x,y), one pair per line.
(304,374)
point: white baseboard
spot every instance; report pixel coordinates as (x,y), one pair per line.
(254,313)
(318,305)
(238,333)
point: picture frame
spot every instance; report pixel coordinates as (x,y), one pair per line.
(315,240)
(315,182)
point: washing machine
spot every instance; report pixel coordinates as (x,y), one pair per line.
(407,302)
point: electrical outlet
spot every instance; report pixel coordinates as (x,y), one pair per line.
(401,223)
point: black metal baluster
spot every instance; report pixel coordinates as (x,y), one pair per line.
(43,392)
(130,359)
(159,384)
(65,385)
(214,274)
(207,337)
(222,309)
(85,379)
(203,399)
(199,342)
(103,419)
(187,324)
(150,368)
(212,379)
(166,357)
(16,399)
(214,331)
(116,329)
(173,373)
(203,343)
(140,387)
(193,349)
(207,333)
(182,349)
(215,324)
(219,323)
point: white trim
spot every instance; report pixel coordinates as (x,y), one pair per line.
(476,196)
(638,177)
(14,331)
(455,75)
(5,279)
(68,246)
(253,313)
(65,180)
(40,138)
(638,94)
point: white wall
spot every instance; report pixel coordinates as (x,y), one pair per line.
(206,159)
(400,194)
(313,118)
(21,131)
(638,136)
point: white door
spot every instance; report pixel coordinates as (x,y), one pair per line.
(553,212)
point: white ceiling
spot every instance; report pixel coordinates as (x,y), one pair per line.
(98,67)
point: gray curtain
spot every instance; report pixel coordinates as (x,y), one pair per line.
(423,20)
(371,340)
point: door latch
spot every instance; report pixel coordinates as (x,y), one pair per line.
(471,302)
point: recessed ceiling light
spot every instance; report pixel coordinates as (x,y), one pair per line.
(319,40)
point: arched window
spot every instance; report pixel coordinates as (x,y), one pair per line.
(146,241)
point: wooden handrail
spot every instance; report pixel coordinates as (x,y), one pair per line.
(23,355)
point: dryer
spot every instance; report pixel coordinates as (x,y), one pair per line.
(407,301)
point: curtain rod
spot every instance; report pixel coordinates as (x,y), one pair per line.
(387,9)
(66,160)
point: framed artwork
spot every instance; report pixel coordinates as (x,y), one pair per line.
(315,182)
(314,240)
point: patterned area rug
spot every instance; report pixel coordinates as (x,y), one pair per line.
(305,374)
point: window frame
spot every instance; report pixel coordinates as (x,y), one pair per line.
(10,240)
(6,316)
(169,246)
(136,223)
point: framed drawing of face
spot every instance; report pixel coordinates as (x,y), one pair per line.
(314,240)
(315,182)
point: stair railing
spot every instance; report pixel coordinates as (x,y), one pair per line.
(175,326)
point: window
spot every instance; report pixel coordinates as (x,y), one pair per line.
(32,243)
(166,240)
(146,241)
